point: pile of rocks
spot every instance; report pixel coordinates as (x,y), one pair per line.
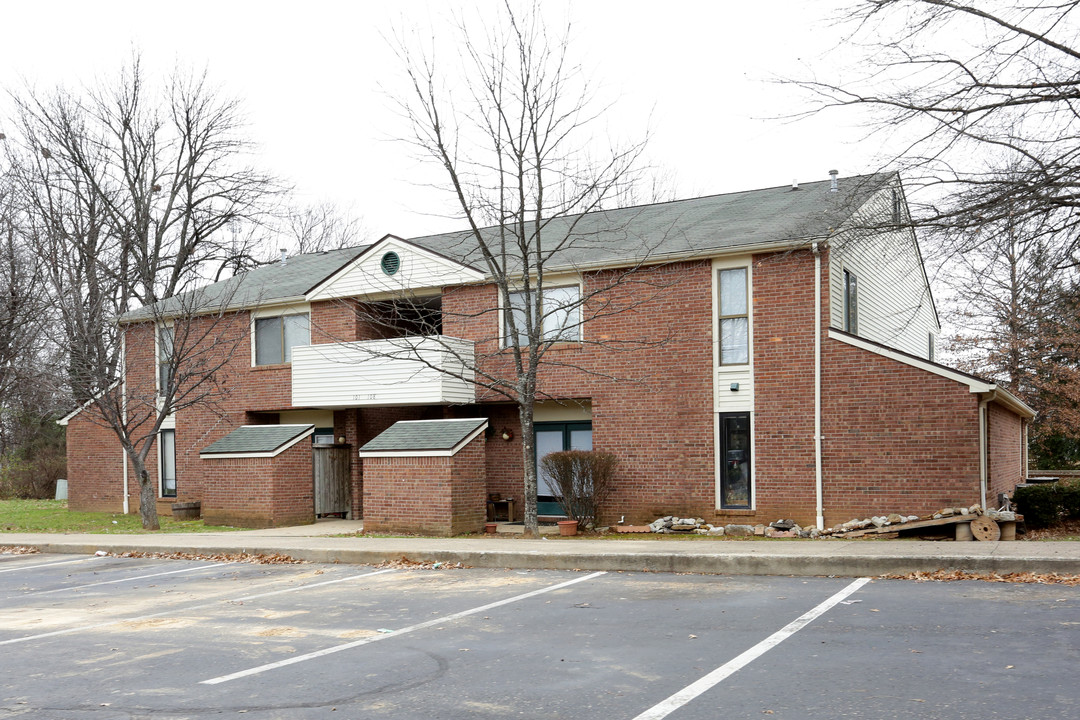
(780,528)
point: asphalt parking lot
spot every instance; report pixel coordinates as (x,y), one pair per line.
(122,638)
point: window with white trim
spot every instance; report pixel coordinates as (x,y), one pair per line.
(165,351)
(734,317)
(561,320)
(275,337)
(167,447)
(851,303)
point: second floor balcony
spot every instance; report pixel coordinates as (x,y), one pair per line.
(429,370)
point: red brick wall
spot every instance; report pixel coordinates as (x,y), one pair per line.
(95,468)
(260,492)
(1005,452)
(428,495)
(647,371)
(897,438)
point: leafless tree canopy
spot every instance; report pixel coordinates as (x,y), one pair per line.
(515,127)
(125,193)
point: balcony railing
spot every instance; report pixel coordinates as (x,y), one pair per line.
(400,371)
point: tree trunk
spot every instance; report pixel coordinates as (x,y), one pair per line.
(147,497)
(528,453)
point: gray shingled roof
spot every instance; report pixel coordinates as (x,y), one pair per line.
(692,227)
(695,226)
(256,439)
(265,284)
(418,435)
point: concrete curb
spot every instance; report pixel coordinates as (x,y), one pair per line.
(843,563)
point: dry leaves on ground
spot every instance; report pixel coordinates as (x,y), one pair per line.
(405,563)
(953,575)
(18,550)
(271,559)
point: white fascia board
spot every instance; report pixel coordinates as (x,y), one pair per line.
(455,272)
(1003,397)
(272,453)
(974,385)
(67,418)
(426,453)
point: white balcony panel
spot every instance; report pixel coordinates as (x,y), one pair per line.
(401,371)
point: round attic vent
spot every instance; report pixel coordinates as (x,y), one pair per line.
(390,263)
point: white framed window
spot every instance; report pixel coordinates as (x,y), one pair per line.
(167,464)
(165,341)
(561,316)
(851,302)
(930,347)
(276,336)
(734,309)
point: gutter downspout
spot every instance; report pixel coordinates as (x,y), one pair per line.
(982,449)
(818,482)
(123,413)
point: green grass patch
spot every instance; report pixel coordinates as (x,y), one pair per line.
(52,516)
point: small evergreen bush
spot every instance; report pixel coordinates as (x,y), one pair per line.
(1045,505)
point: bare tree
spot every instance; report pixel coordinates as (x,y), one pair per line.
(979,104)
(129,193)
(517,133)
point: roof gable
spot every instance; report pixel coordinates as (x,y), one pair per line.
(393,265)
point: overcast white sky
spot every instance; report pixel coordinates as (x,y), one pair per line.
(313,77)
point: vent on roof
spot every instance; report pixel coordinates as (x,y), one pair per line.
(794,184)
(835,184)
(284,257)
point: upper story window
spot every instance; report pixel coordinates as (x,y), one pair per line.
(734,317)
(165,352)
(897,210)
(275,337)
(930,347)
(851,303)
(561,316)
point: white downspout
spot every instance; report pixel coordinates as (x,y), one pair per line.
(818,484)
(123,412)
(982,450)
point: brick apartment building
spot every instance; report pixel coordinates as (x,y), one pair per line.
(772,356)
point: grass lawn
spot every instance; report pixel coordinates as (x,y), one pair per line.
(52,516)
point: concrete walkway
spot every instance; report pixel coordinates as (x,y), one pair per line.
(316,543)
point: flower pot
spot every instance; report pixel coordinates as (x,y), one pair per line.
(567,527)
(490,528)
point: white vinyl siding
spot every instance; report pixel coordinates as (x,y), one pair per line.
(417,270)
(399,371)
(894,302)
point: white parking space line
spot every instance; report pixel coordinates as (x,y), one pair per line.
(32,567)
(172,611)
(120,580)
(396,633)
(691,691)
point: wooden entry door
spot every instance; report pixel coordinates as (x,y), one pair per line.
(331,472)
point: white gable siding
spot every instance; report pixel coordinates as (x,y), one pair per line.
(895,306)
(419,270)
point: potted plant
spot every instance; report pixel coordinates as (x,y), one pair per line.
(582,480)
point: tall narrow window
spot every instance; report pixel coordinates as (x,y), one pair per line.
(167,444)
(735,460)
(851,303)
(165,352)
(275,337)
(561,320)
(896,207)
(930,347)
(734,317)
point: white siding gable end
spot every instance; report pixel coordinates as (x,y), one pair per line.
(392,266)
